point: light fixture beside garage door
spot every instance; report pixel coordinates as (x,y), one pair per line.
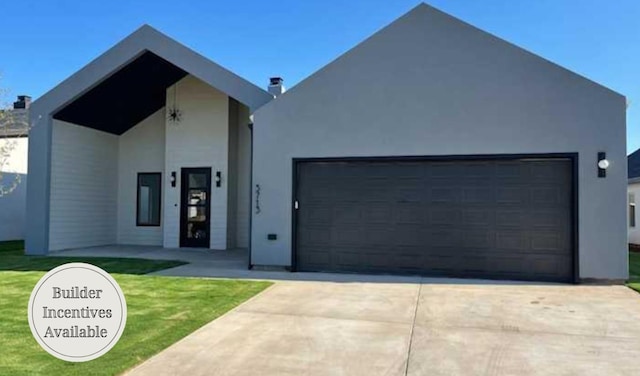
(603,164)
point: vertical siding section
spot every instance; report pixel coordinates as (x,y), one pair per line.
(84,186)
(200,139)
(141,150)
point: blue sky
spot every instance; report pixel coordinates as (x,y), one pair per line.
(43,42)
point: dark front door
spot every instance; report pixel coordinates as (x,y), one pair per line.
(195,207)
(506,219)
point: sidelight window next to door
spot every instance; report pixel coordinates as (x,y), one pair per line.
(195,207)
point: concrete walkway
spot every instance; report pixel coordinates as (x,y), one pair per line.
(422,328)
(207,263)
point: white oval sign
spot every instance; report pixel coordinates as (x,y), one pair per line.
(77,312)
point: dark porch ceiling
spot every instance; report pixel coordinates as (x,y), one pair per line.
(125,98)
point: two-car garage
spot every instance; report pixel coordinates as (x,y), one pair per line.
(505,217)
(433,148)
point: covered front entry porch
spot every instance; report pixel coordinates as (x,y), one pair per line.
(167,167)
(147,145)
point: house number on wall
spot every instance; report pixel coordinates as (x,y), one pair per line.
(258,199)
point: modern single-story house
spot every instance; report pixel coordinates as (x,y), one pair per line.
(14,145)
(633,192)
(431,148)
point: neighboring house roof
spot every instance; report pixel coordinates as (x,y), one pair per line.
(161,60)
(13,123)
(633,167)
(421,20)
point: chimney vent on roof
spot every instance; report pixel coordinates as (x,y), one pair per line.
(23,103)
(275,86)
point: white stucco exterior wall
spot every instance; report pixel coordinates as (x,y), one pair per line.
(200,139)
(141,149)
(84,187)
(429,84)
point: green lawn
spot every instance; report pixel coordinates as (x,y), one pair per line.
(161,310)
(634,271)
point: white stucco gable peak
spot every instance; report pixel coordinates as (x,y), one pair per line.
(417,18)
(147,38)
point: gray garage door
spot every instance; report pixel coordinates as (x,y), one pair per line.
(505,219)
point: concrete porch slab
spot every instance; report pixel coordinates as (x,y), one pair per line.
(235,259)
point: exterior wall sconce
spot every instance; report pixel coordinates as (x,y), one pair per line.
(218,178)
(603,164)
(173,179)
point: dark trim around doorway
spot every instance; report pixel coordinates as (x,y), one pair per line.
(184,242)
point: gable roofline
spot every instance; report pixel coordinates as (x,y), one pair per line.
(421,8)
(148,39)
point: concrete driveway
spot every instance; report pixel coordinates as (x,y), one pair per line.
(328,328)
